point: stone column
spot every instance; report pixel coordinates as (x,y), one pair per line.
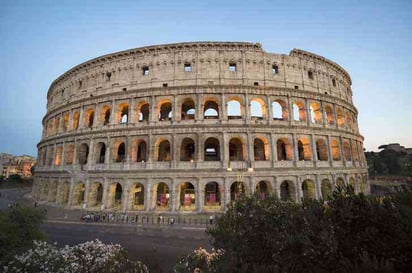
(148,196)
(86,193)
(105,192)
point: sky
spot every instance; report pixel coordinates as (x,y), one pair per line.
(40,40)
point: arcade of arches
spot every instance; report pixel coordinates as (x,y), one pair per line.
(188,196)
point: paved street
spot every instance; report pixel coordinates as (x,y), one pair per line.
(159,248)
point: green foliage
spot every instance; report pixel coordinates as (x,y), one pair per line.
(19,226)
(389,162)
(349,233)
(15,178)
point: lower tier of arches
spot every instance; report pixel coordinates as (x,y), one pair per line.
(187,193)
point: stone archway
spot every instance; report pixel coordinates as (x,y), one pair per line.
(287,191)
(263,189)
(326,189)
(136,197)
(213,196)
(78,194)
(161,197)
(237,190)
(114,196)
(308,189)
(187,196)
(95,195)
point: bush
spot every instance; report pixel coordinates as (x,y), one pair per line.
(349,233)
(19,226)
(91,257)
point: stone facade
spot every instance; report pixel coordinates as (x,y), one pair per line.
(190,127)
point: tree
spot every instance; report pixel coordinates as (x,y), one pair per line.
(348,233)
(15,178)
(19,226)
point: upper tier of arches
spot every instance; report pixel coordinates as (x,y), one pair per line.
(200,64)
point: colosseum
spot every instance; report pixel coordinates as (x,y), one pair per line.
(190,127)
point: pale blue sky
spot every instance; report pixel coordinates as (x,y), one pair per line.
(40,40)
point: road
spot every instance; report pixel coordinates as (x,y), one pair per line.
(159,248)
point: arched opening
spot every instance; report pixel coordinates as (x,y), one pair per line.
(57,125)
(284,150)
(164,151)
(287,191)
(95,195)
(118,196)
(100,152)
(212,195)
(69,154)
(88,118)
(335,150)
(299,111)
(346,151)
(315,113)
(262,189)
(187,150)
(144,113)
(141,151)
(123,113)
(279,110)
(329,115)
(341,119)
(136,197)
(340,182)
(105,115)
(65,192)
(234,109)
(236,150)
(188,110)
(260,149)
(50,156)
(161,195)
(212,149)
(165,111)
(121,153)
(187,196)
(75,123)
(308,189)
(65,122)
(321,150)
(326,189)
(211,110)
(53,191)
(59,154)
(83,153)
(304,149)
(237,190)
(78,194)
(352,182)
(257,109)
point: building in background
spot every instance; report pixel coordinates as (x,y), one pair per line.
(20,165)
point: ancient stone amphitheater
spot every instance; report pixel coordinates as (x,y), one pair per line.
(190,127)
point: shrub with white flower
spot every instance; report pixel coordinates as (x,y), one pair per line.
(93,257)
(200,261)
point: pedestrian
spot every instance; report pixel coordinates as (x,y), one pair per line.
(210,219)
(172,221)
(35,204)
(137,218)
(9,205)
